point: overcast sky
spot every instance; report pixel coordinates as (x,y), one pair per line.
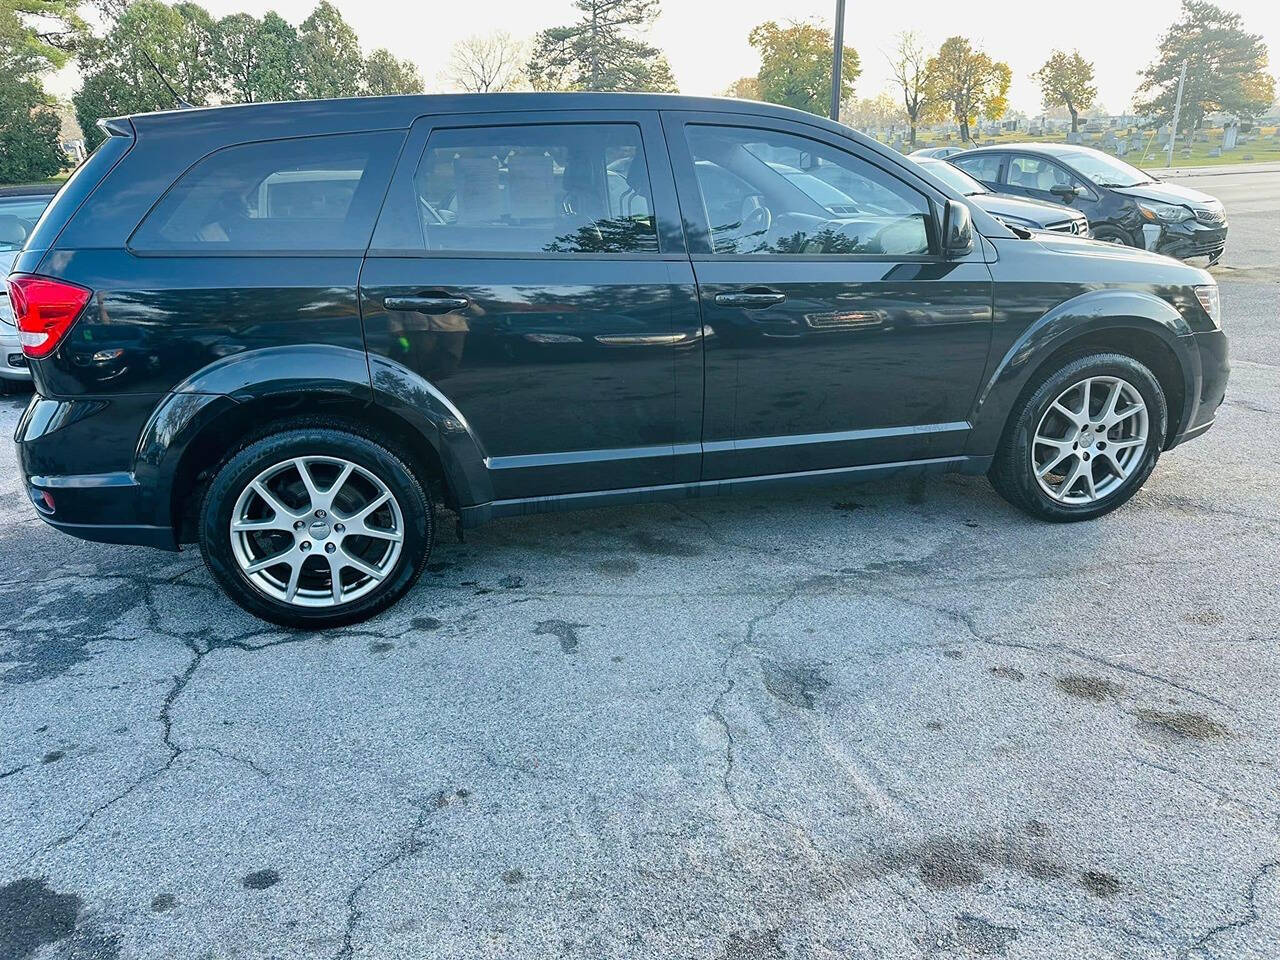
(706,40)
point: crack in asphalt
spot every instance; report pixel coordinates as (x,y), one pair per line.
(1251,912)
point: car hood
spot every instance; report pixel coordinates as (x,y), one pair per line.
(999,204)
(1156,266)
(1168,193)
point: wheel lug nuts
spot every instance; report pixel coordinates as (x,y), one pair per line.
(340,528)
(320,514)
(305,546)
(297,525)
(329,548)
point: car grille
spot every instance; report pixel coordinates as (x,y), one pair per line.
(1073,227)
(1211,216)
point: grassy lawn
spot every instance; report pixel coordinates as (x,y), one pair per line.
(1266,148)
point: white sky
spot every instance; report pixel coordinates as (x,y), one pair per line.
(706,40)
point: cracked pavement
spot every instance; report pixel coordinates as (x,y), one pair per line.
(885,720)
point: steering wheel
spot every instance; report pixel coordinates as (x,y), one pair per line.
(756,221)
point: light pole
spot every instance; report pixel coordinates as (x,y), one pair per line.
(836,60)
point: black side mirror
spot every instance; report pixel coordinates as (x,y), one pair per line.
(1065,192)
(957,230)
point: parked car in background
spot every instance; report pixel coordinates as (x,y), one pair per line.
(1020,212)
(1124,205)
(936,153)
(286,331)
(20,208)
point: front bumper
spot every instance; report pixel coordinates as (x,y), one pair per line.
(1215,369)
(1185,240)
(13,363)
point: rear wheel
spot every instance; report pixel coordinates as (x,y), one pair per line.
(1083,440)
(315,528)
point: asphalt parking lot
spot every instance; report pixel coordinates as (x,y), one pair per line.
(890,720)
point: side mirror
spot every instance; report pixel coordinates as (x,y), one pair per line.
(1065,192)
(957,230)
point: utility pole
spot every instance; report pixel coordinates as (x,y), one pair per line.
(1177,109)
(836,60)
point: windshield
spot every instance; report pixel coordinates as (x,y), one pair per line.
(18,216)
(1106,171)
(955,178)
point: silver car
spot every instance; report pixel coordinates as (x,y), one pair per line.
(19,212)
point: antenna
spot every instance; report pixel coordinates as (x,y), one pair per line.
(182,104)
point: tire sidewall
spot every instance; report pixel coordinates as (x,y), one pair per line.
(1103,365)
(246,464)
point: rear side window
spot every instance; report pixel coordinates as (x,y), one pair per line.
(984,167)
(553,188)
(312,194)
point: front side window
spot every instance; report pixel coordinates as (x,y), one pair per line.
(554,188)
(772,193)
(1037,173)
(306,194)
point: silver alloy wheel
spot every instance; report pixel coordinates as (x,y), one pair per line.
(1090,440)
(316,531)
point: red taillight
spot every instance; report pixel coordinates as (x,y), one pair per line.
(45,310)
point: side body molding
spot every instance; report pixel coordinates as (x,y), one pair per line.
(1090,312)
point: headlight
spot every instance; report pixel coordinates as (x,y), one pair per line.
(1208,296)
(1165,212)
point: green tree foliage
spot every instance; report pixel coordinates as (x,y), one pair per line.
(385,75)
(969,82)
(602,51)
(796,63)
(35,36)
(1066,80)
(910,65)
(1226,68)
(275,73)
(329,55)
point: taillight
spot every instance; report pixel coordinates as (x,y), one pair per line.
(44,310)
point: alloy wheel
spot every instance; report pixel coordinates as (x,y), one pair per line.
(1090,440)
(316,531)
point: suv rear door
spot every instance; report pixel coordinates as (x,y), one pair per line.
(531,268)
(837,334)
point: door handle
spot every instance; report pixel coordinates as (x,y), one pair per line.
(426,304)
(750,299)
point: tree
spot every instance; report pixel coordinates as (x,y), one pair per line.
(1066,80)
(386,75)
(910,65)
(277,59)
(880,111)
(603,51)
(1226,69)
(795,65)
(117,71)
(329,61)
(744,88)
(488,63)
(969,82)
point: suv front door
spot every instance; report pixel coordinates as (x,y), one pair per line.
(530,267)
(836,335)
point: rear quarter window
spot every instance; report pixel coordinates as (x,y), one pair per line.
(310,194)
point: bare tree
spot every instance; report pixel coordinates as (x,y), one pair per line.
(910,64)
(488,63)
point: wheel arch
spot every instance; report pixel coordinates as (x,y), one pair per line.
(224,407)
(1139,325)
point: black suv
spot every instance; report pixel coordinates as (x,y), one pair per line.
(1125,205)
(285,331)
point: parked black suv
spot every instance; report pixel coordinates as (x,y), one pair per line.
(1125,205)
(286,330)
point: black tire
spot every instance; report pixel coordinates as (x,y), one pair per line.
(1012,471)
(239,471)
(1113,234)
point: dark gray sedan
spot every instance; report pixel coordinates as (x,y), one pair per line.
(1015,211)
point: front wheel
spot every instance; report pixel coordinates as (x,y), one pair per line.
(315,528)
(1114,236)
(1083,440)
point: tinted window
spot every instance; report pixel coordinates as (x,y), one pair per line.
(766,192)
(984,167)
(558,188)
(314,193)
(1037,173)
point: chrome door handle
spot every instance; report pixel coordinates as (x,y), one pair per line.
(750,300)
(426,304)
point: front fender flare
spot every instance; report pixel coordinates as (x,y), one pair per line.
(1093,312)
